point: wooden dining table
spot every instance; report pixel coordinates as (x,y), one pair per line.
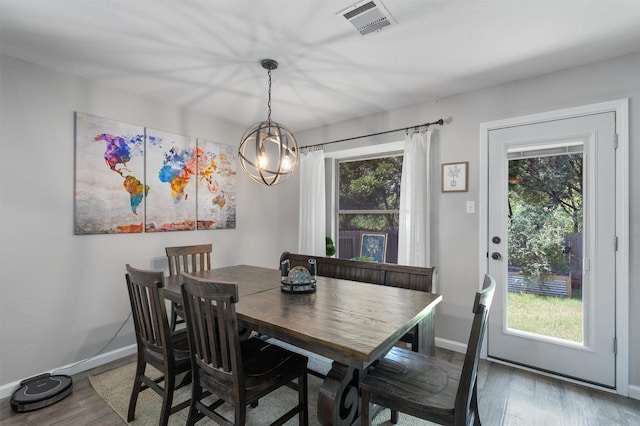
(352,323)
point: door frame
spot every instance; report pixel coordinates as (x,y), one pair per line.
(621,108)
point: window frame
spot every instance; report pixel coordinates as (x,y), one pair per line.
(335,205)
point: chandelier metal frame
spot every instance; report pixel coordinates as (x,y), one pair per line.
(268,150)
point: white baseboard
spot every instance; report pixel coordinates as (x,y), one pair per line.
(77,367)
(634,392)
(451,345)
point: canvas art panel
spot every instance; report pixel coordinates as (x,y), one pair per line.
(109,187)
(216,202)
(171,166)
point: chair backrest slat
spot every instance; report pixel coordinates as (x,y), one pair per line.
(212,327)
(147,324)
(224,336)
(469,374)
(189,258)
(148,310)
(211,335)
(197,308)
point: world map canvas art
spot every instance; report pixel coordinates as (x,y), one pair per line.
(109,176)
(171,169)
(216,202)
(187,183)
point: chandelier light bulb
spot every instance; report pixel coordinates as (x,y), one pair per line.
(263,160)
(286,162)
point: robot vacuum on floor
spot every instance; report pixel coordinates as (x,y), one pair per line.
(40,391)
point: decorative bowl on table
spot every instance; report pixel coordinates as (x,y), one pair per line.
(299,280)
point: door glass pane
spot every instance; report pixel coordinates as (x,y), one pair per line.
(545,241)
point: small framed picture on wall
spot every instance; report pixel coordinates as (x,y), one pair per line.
(455,177)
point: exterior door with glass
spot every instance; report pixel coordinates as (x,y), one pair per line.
(552,241)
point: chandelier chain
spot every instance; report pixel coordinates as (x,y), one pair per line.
(269,102)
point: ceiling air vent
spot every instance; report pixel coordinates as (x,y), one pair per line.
(367,16)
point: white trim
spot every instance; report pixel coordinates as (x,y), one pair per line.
(554,376)
(621,108)
(366,150)
(76,367)
(622,258)
(331,181)
(451,345)
(634,392)
(455,346)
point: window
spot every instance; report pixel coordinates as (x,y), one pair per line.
(368,203)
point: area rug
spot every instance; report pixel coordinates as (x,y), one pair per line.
(115,388)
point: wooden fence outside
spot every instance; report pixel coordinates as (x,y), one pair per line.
(549,285)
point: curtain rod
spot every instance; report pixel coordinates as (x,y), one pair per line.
(438,122)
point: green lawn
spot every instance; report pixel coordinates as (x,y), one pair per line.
(547,315)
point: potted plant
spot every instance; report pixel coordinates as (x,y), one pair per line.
(331,248)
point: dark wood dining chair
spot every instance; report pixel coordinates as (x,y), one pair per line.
(157,345)
(427,387)
(234,371)
(186,259)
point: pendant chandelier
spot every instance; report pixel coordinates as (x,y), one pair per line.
(268,151)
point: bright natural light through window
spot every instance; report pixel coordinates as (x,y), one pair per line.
(368,203)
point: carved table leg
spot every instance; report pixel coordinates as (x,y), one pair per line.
(338,399)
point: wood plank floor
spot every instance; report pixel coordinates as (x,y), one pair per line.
(507,396)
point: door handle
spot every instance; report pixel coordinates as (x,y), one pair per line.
(496,256)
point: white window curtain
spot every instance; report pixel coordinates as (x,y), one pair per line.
(312,222)
(414,231)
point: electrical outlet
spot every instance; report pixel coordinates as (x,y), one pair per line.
(471,206)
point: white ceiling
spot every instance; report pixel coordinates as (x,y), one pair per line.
(205,54)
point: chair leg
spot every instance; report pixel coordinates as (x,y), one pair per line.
(167,398)
(196,394)
(135,391)
(240,417)
(303,399)
(474,404)
(394,417)
(476,420)
(365,416)
(184,380)
(174,317)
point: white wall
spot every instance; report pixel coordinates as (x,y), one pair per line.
(455,233)
(62,296)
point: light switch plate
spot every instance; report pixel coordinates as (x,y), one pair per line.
(471,206)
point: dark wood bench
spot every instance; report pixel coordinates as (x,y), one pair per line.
(389,274)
